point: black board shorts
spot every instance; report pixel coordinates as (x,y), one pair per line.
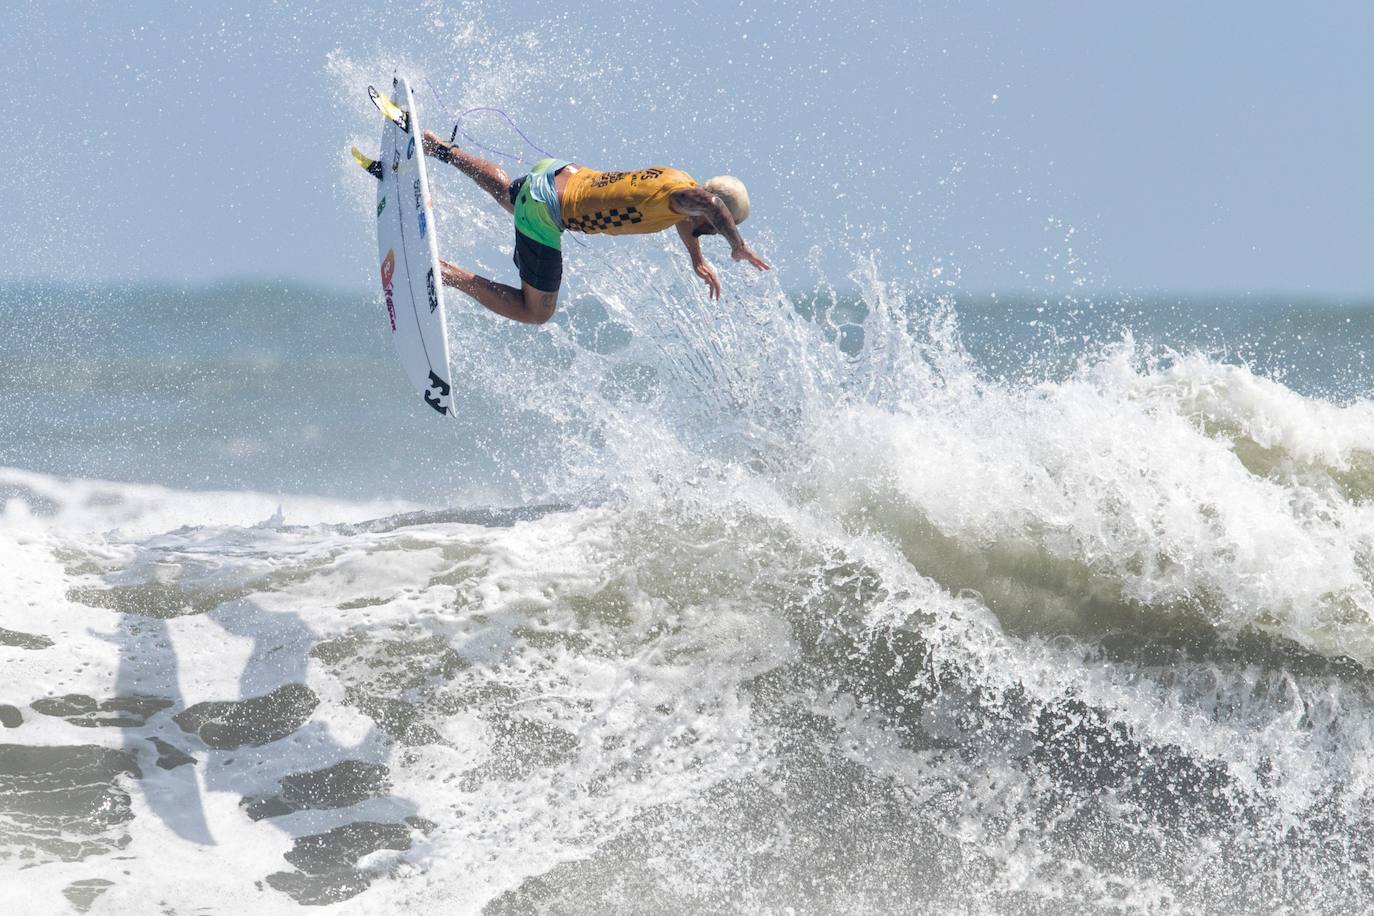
(540,266)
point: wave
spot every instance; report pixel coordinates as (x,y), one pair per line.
(802,599)
(1096,642)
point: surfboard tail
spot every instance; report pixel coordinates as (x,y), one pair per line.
(390,109)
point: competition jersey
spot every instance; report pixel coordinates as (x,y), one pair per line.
(622,203)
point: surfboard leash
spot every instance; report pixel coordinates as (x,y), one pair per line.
(453,137)
(457,126)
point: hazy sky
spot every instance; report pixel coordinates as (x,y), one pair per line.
(1074,145)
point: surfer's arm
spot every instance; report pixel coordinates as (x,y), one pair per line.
(700,202)
(700,266)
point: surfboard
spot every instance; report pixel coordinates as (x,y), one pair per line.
(408,250)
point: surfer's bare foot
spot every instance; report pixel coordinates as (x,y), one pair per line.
(436,147)
(489,176)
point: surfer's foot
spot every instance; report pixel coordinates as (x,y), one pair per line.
(489,176)
(436,147)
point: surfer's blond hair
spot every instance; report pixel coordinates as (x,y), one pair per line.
(733,193)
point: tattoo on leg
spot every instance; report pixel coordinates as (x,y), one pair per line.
(547,303)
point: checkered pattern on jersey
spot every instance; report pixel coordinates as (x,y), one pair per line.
(600,221)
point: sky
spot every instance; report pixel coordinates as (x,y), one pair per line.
(1066,147)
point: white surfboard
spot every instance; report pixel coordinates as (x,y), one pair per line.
(409,252)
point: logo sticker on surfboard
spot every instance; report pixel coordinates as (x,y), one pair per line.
(437,394)
(389,271)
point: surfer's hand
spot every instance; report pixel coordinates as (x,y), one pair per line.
(744,253)
(708,273)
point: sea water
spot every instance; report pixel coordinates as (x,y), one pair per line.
(865,599)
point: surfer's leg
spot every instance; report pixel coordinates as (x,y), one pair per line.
(527,304)
(489,176)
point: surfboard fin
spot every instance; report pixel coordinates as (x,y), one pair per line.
(390,109)
(371,166)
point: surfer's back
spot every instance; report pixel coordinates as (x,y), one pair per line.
(623,203)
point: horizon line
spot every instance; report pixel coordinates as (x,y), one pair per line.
(1012,293)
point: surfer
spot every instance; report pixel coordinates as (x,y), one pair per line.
(558,195)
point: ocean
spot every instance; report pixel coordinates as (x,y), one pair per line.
(869,599)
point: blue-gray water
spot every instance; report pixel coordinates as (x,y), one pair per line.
(277,387)
(875,602)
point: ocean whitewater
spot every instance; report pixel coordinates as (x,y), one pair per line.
(863,602)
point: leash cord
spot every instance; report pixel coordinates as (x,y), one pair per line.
(457,126)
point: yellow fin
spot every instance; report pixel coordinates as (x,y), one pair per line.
(389,108)
(371,166)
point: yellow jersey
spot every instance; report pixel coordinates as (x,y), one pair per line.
(622,203)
